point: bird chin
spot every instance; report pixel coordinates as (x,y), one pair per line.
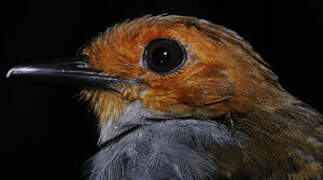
(135,116)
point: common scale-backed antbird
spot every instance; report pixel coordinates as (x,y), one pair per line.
(181,98)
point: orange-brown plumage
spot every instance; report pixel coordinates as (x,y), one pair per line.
(217,57)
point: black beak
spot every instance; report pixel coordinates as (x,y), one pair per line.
(77,73)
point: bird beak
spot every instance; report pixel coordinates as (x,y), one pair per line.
(77,73)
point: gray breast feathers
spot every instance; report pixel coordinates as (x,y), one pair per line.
(172,149)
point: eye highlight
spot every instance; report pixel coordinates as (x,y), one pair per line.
(164,55)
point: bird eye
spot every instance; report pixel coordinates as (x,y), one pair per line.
(164,55)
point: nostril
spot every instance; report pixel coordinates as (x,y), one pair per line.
(81,64)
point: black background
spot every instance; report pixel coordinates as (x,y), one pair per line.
(46,133)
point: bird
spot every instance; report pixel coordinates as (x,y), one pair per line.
(178,97)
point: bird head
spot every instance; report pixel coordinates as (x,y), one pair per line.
(169,67)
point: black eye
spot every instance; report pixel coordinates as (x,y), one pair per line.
(164,55)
